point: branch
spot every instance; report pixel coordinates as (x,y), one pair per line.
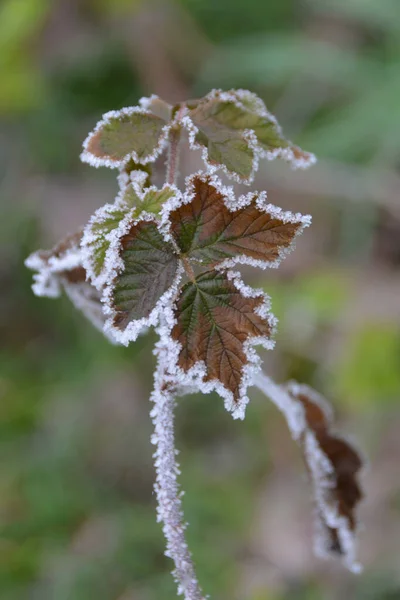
(166,487)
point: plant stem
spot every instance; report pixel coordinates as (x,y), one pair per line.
(166,487)
(174,139)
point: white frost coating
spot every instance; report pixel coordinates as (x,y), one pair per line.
(194,377)
(233,204)
(169,510)
(93,238)
(96,161)
(321,469)
(47,279)
(239,98)
(212,167)
(50,281)
(114,266)
(137,326)
(324,480)
(146,101)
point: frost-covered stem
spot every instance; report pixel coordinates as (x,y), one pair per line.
(169,509)
(291,410)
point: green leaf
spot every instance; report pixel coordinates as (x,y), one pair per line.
(97,237)
(235,128)
(149,268)
(132,133)
(215,318)
(153,200)
(101,231)
(210,230)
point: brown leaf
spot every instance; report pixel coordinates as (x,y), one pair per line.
(333,465)
(215,321)
(207,230)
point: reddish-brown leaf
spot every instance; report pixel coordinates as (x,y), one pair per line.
(337,490)
(207,230)
(214,321)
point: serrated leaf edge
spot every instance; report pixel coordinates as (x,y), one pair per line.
(194,377)
(235,96)
(112,263)
(96,161)
(136,326)
(234,203)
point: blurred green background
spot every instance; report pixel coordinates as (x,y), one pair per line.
(76,502)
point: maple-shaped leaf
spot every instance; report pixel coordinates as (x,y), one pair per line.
(234,129)
(135,133)
(110,222)
(147,274)
(217,320)
(61,269)
(215,229)
(333,465)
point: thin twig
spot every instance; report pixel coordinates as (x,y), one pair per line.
(174,140)
(167,489)
(173,156)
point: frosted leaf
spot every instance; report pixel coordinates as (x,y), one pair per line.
(210,226)
(234,129)
(210,333)
(157,107)
(63,261)
(333,464)
(146,278)
(101,237)
(61,269)
(131,133)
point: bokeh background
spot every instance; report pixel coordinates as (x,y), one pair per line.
(76,502)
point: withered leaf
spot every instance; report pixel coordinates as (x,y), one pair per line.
(234,127)
(149,269)
(333,465)
(207,230)
(60,264)
(61,269)
(123,135)
(215,321)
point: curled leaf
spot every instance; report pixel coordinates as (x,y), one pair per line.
(129,134)
(61,269)
(333,465)
(235,129)
(217,321)
(63,262)
(212,227)
(146,278)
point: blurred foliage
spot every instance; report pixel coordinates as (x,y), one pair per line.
(368,370)
(76,505)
